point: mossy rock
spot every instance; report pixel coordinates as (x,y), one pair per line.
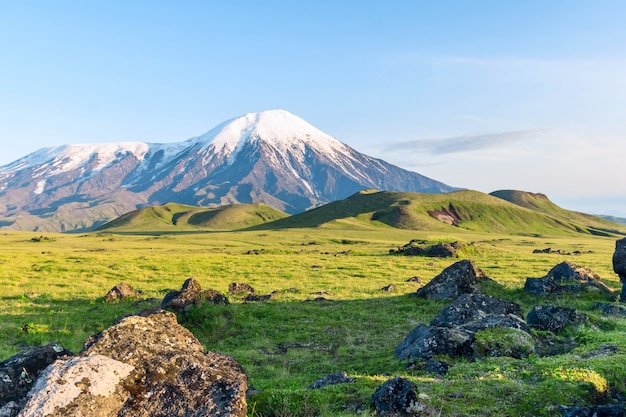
(501,341)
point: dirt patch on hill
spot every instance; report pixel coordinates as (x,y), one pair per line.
(447,215)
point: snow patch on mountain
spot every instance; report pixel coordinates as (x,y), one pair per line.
(65,158)
(287,133)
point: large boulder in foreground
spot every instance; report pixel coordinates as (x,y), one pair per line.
(619,264)
(79,386)
(19,372)
(173,374)
(461,277)
(143,366)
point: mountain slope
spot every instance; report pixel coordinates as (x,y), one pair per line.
(271,157)
(541,203)
(180,217)
(466,209)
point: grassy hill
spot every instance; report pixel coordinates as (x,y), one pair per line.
(505,212)
(541,203)
(180,217)
(466,209)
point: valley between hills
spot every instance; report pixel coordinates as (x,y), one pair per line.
(334,293)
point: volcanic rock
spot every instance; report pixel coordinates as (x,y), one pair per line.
(619,264)
(19,372)
(460,278)
(173,374)
(398,398)
(79,386)
(120,292)
(554,318)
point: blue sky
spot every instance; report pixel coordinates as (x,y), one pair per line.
(486,95)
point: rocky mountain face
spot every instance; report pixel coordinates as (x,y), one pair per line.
(271,157)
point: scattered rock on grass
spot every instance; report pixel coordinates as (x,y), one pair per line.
(397,397)
(595,411)
(439,250)
(554,318)
(424,342)
(191,294)
(610,309)
(566,277)
(337,378)
(235,288)
(121,291)
(459,278)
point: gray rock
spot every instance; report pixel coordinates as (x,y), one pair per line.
(191,294)
(452,331)
(554,318)
(79,386)
(610,309)
(337,378)
(235,288)
(460,278)
(595,411)
(397,397)
(173,374)
(469,308)
(120,292)
(566,277)
(19,372)
(423,342)
(619,264)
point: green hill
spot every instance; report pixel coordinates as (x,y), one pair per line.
(179,217)
(466,209)
(539,202)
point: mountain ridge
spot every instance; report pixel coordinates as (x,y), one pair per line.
(270,157)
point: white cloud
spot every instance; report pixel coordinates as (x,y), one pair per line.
(462,144)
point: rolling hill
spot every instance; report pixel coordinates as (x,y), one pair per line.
(525,214)
(172,217)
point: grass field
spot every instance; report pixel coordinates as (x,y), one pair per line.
(53,288)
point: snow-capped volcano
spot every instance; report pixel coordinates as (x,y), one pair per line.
(272,157)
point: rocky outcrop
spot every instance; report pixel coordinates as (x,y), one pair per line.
(424,342)
(121,291)
(173,374)
(566,277)
(191,294)
(19,373)
(619,265)
(453,331)
(554,318)
(139,367)
(397,398)
(79,386)
(438,250)
(469,310)
(462,277)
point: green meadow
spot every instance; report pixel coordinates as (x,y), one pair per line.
(328,311)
